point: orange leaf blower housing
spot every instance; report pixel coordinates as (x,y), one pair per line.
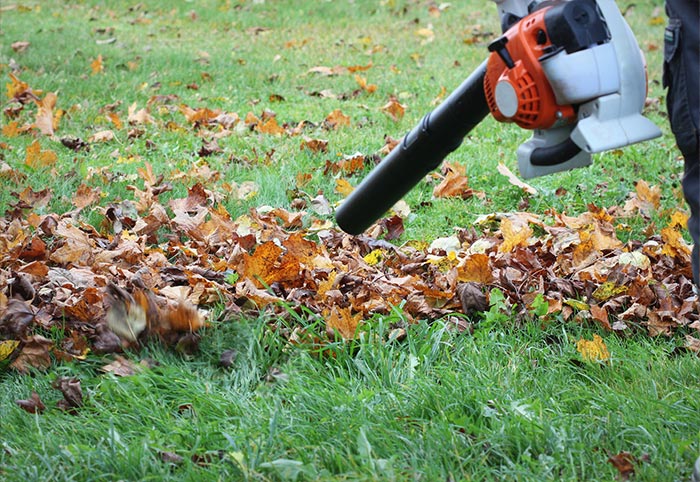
(518,90)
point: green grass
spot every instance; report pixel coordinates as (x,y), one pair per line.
(502,404)
(506,403)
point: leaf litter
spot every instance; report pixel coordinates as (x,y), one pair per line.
(157,269)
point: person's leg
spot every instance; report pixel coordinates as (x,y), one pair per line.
(682,78)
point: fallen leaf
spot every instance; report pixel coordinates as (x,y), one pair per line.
(72,394)
(37,158)
(593,350)
(394,109)
(342,321)
(32,404)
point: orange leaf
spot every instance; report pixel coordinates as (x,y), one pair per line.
(394,109)
(674,244)
(475,268)
(11,129)
(342,321)
(97,65)
(36,158)
(270,127)
(337,119)
(85,196)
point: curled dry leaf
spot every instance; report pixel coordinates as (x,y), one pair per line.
(72,394)
(32,405)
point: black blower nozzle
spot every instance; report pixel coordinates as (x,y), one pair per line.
(419,152)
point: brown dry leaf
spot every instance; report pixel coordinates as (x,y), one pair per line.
(314,145)
(45,121)
(514,180)
(600,314)
(337,119)
(454,182)
(122,367)
(34,354)
(270,126)
(32,405)
(72,394)
(102,136)
(36,199)
(342,321)
(85,196)
(38,158)
(515,233)
(20,46)
(624,462)
(141,116)
(394,109)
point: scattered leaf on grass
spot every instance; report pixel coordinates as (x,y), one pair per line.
(72,394)
(32,405)
(593,350)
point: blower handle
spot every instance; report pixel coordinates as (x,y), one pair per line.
(423,149)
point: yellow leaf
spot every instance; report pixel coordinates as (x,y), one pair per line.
(11,129)
(593,350)
(35,157)
(373,257)
(514,234)
(674,244)
(576,304)
(607,290)
(7,347)
(342,186)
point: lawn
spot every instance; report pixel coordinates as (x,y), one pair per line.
(194,152)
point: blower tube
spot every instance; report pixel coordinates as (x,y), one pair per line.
(419,152)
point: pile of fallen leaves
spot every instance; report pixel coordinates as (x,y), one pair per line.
(67,288)
(160,269)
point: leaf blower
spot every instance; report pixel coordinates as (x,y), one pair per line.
(569,70)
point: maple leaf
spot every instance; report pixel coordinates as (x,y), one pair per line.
(454,183)
(515,233)
(593,350)
(394,109)
(342,321)
(85,196)
(314,145)
(33,354)
(140,116)
(336,119)
(72,394)
(37,158)
(476,267)
(97,65)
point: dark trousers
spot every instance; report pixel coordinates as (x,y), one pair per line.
(682,77)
